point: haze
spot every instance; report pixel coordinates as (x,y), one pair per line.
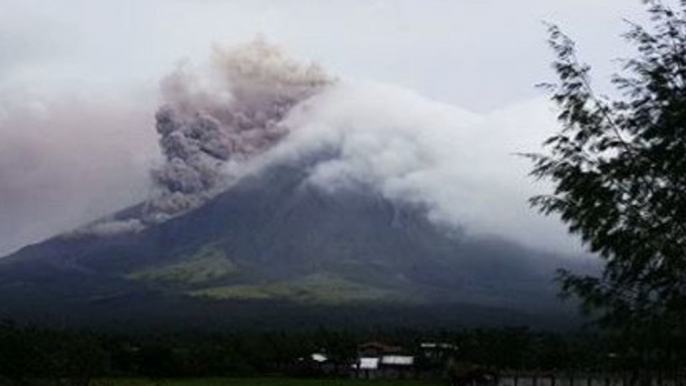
(79,87)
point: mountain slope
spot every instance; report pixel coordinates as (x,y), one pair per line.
(275,239)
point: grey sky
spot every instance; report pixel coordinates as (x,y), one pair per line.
(477,54)
(59,59)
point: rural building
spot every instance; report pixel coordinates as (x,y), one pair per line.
(377,360)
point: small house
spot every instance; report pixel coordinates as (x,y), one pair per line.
(378,360)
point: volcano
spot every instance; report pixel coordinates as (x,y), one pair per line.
(299,200)
(274,246)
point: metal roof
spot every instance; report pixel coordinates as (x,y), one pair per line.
(369,363)
(318,357)
(397,360)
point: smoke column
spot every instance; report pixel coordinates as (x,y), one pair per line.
(213,121)
(202,128)
(255,108)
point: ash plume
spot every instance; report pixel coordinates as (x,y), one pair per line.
(203,127)
(257,108)
(212,122)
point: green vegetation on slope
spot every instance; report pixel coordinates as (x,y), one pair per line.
(315,288)
(206,265)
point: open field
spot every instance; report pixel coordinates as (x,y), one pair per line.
(262,382)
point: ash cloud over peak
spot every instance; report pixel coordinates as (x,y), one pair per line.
(203,128)
(214,120)
(254,107)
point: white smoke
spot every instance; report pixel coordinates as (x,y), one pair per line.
(462,166)
(110,227)
(256,107)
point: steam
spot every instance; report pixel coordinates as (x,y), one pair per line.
(255,108)
(204,127)
(459,165)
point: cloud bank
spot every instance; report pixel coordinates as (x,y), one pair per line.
(462,166)
(254,107)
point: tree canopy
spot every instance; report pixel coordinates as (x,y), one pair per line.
(618,167)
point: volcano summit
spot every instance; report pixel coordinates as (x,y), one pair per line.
(289,196)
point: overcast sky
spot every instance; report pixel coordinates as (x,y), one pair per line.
(79,78)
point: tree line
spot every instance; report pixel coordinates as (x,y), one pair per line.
(31,355)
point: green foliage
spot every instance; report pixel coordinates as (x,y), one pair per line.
(31,356)
(312,289)
(207,265)
(619,172)
(34,356)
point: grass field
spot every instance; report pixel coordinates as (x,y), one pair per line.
(261,382)
(312,289)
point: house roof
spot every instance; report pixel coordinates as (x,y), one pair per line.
(319,357)
(397,360)
(369,363)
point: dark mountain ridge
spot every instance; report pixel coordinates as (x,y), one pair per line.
(274,246)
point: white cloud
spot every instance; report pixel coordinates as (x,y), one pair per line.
(461,165)
(68,64)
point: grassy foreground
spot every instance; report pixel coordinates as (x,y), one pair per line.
(261,382)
